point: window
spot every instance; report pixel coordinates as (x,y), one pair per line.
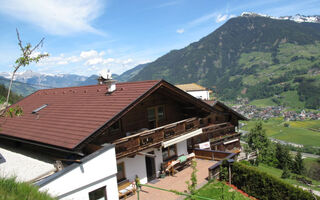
(121,174)
(155,114)
(99,194)
(40,108)
(115,127)
(169,152)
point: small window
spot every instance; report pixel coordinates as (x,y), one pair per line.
(121,174)
(99,194)
(40,108)
(156,114)
(115,127)
(169,152)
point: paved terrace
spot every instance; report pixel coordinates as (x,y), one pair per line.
(176,182)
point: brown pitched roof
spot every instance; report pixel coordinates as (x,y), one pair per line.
(72,114)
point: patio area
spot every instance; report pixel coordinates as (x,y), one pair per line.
(176,182)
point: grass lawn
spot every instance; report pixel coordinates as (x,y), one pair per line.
(277,172)
(297,132)
(214,190)
(11,190)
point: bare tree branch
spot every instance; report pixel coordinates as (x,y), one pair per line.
(24,60)
(40,43)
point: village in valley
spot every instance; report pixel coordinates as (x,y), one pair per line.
(219,103)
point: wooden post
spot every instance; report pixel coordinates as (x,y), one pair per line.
(229,174)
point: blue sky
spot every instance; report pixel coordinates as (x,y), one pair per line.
(87,36)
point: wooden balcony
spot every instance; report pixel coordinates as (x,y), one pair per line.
(130,145)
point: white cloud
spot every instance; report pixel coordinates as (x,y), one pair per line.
(221,18)
(89,54)
(87,62)
(58,17)
(180,31)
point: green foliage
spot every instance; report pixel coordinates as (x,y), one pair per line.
(224,172)
(14,111)
(192,184)
(308,92)
(12,190)
(286,172)
(263,186)
(298,164)
(283,156)
(218,190)
(258,141)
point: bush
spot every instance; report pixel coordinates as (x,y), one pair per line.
(263,186)
(285,173)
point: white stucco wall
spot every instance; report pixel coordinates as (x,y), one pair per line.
(92,174)
(23,165)
(182,148)
(137,165)
(200,94)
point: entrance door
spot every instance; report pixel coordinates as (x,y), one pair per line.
(151,167)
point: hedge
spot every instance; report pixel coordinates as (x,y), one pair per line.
(263,186)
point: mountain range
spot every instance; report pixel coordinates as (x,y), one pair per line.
(269,60)
(28,81)
(252,56)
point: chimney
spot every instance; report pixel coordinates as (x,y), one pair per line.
(106,79)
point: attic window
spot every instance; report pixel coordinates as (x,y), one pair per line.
(40,108)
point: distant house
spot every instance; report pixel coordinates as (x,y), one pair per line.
(195,90)
(91,140)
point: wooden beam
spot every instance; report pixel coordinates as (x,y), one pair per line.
(147,154)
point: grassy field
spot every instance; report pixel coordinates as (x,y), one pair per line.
(312,168)
(11,190)
(288,99)
(298,131)
(215,190)
(277,173)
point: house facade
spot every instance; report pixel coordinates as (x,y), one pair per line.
(146,124)
(195,90)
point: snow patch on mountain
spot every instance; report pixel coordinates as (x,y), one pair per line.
(297,18)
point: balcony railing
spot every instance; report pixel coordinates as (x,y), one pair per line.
(130,145)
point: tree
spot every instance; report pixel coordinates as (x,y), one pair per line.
(285,172)
(192,184)
(258,141)
(298,164)
(27,57)
(283,156)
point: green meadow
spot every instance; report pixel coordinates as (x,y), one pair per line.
(298,132)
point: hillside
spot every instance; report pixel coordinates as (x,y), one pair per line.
(18,87)
(250,56)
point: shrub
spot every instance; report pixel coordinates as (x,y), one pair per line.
(263,186)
